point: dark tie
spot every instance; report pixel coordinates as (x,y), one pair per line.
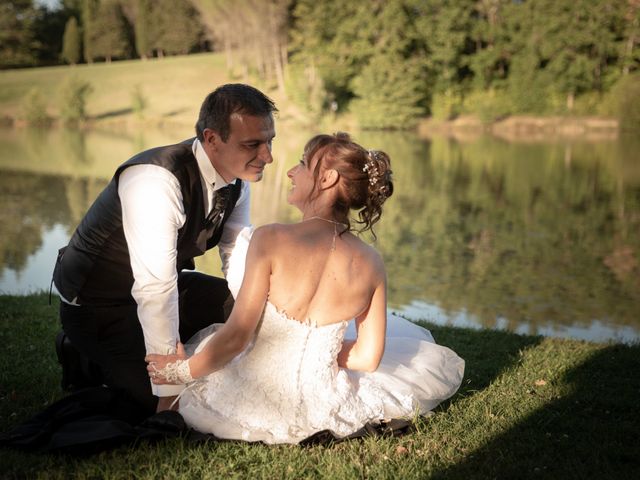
(219,202)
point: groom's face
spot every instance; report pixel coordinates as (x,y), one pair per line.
(246,152)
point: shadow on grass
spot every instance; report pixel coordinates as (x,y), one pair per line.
(593,432)
(113,113)
(590,431)
(173,113)
(487,353)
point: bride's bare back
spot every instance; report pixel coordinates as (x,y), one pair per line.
(308,271)
(311,281)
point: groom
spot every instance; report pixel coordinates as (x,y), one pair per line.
(123,278)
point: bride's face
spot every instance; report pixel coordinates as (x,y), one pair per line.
(302,182)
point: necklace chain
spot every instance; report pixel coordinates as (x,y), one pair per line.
(335,228)
(316,217)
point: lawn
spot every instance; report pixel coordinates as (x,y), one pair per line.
(529,407)
(174,87)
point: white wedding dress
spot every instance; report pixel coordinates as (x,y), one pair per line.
(287,385)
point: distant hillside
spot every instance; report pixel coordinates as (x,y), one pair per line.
(173,87)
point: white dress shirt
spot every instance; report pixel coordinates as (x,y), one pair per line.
(152,213)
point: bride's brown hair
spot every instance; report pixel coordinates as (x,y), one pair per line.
(364,177)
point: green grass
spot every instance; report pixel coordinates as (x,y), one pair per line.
(173,86)
(529,407)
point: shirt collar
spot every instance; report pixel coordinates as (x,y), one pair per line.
(210,174)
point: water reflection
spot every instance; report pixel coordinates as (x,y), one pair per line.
(534,238)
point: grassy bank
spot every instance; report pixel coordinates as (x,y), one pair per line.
(529,407)
(174,87)
(528,128)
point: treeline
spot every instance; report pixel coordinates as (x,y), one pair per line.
(97,30)
(388,62)
(394,60)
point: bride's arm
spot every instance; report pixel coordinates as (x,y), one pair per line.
(235,334)
(366,351)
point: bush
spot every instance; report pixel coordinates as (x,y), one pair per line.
(389,91)
(305,88)
(488,106)
(626,100)
(588,104)
(529,96)
(446,105)
(73,99)
(34,108)
(530,89)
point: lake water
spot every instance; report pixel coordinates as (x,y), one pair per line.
(539,237)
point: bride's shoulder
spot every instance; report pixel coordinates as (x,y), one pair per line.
(367,254)
(269,235)
(373,256)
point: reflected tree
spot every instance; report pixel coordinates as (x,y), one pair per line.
(34,203)
(75,144)
(535,235)
(512,232)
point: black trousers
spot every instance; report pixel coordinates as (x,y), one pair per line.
(111,336)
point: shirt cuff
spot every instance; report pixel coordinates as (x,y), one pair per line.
(166,390)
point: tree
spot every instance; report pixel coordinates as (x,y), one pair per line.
(444,30)
(89,10)
(253,34)
(175,27)
(367,50)
(560,49)
(48,30)
(388,90)
(18,44)
(391,86)
(73,99)
(71,42)
(110,31)
(627,99)
(577,42)
(490,36)
(143,28)
(329,39)
(34,108)
(631,54)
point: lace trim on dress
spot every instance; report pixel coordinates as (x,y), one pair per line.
(308,322)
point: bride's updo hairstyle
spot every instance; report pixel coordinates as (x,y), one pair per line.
(364,177)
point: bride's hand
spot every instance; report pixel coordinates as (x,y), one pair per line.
(156,365)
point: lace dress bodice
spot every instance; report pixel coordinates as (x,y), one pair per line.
(282,388)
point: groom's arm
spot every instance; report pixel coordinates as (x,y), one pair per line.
(152,213)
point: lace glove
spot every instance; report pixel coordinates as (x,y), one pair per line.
(176,373)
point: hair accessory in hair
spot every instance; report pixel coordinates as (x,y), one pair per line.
(370,168)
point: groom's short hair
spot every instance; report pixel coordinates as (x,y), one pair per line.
(224,101)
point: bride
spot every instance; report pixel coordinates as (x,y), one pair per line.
(281,368)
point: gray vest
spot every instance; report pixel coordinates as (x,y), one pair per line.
(95,268)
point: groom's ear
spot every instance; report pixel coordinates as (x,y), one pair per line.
(211,138)
(329,178)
